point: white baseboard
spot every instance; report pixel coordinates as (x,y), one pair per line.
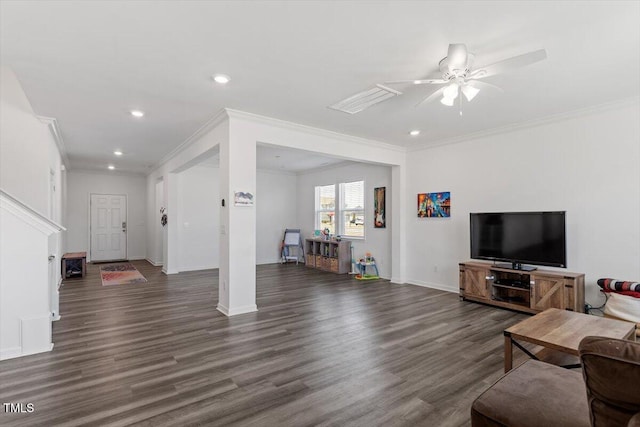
(135,258)
(437,286)
(56,318)
(237,310)
(198,268)
(12,353)
(398,281)
(155,264)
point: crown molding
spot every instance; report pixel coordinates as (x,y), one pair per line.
(210,124)
(529,123)
(54,128)
(367,143)
(108,172)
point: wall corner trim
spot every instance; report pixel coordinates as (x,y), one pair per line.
(54,128)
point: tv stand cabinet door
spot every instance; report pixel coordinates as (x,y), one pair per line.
(473,282)
(547,292)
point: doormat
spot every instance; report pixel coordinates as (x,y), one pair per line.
(120,274)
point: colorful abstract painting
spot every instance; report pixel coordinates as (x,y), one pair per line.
(434,205)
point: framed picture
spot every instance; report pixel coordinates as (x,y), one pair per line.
(434,205)
(242,198)
(379,202)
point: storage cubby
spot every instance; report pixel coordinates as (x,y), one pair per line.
(328,255)
(510,287)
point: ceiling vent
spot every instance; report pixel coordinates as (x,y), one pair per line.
(363,100)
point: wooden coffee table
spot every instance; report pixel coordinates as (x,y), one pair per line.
(561,331)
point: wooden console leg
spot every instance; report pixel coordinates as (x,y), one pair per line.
(508,353)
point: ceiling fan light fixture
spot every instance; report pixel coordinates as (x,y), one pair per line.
(451,91)
(447,101)
(469,92)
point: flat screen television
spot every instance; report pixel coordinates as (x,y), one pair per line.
(537,238)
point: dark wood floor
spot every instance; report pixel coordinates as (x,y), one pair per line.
(322,350)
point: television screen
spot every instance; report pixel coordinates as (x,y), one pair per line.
(537,238)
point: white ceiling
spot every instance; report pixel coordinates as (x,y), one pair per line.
(88,63)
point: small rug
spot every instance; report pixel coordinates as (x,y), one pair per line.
(120,274)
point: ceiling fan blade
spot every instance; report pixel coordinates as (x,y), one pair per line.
(509,64)
(483,85)
(419,82)
(431,97)
(457,57)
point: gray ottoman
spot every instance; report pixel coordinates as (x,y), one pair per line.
(535,394)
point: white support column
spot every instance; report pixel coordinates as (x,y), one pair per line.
(170,241)
(398,224)
(237,273)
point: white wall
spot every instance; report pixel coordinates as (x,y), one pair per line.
(276,210)
(199,213)
(586,165)
(81,184)
(27,148)
(377,240)
(199,216)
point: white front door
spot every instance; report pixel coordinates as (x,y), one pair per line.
(108,227)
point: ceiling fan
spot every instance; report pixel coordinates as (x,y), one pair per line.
(460,76)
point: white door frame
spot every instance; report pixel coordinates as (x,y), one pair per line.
(126,245)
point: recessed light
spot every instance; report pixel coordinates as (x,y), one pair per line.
(415,132)
(111,167)
(118,153)
(223,79)
(137,113)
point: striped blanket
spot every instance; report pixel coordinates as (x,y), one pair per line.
(620,287)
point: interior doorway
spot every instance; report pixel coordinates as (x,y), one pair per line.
(158,229)
(108,227)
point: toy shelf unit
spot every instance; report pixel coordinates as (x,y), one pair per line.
(328,255)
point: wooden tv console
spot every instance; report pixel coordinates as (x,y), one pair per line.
(527,291)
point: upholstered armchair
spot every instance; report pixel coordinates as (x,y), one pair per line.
(536,394)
